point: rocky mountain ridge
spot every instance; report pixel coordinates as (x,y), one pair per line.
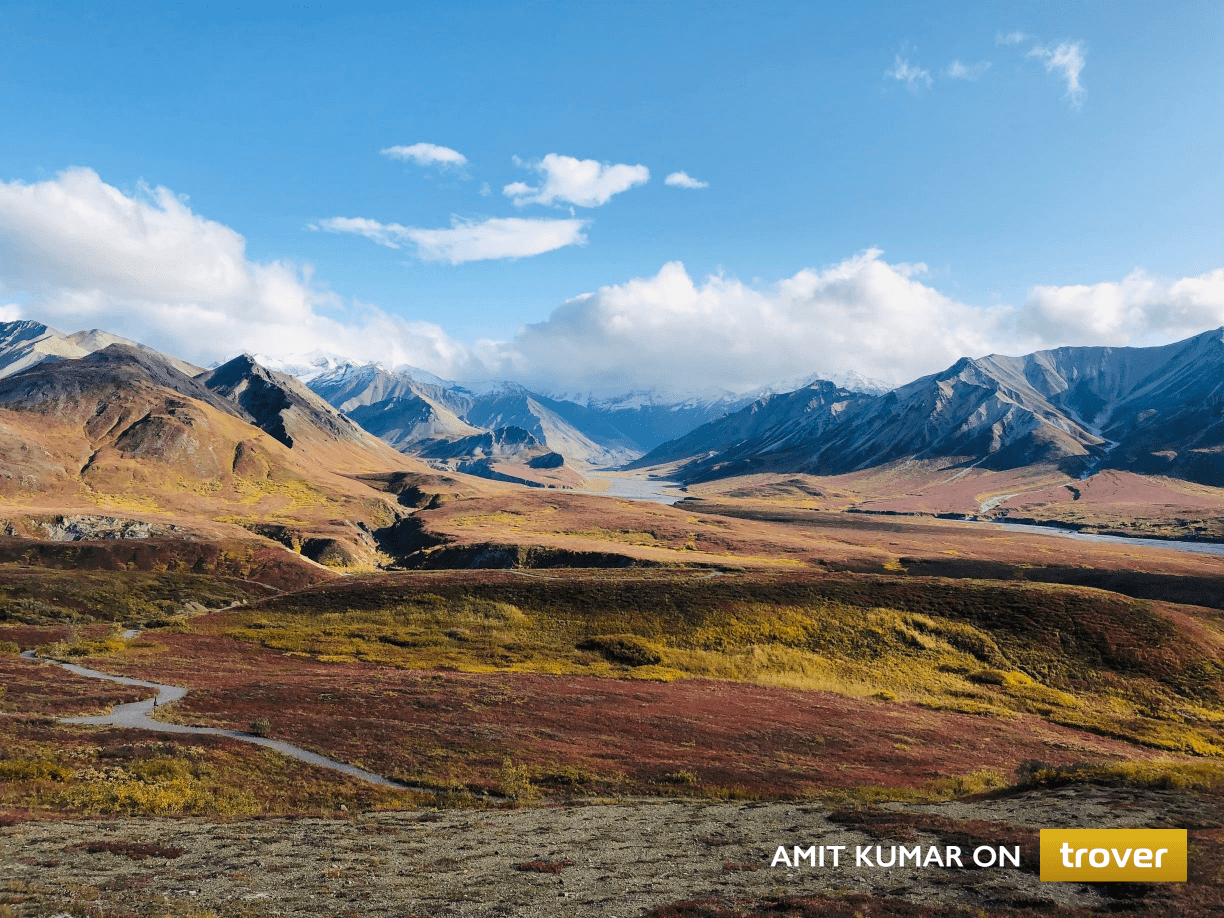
(1154,410)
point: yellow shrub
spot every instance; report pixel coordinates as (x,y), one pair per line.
(153,790)
(29,769)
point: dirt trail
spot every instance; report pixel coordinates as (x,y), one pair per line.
(135,715)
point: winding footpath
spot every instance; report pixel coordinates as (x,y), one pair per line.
(135,715)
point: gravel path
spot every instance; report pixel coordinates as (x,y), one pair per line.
(136,715)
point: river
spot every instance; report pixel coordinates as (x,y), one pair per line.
(633,487)
(1201,548)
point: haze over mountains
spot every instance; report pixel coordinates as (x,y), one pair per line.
(1156,410)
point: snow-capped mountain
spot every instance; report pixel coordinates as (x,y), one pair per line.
(851,381)
(857,382)
(303,367)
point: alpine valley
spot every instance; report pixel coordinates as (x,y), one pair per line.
(387,613)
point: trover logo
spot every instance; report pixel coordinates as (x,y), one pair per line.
(1113,855)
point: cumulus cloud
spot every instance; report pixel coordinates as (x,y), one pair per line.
(958,70)
(670,331)
(582,182)
(467,240)
(1138,310)
(1010,38)
(86,255)
(427,154)
(914,77)
(863,315)
(1066,61)
(683,180)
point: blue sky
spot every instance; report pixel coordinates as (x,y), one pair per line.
(824,131)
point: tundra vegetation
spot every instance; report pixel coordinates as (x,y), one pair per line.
(1130,688)
(1127,668)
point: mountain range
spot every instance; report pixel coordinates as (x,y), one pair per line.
(1156,410)
(412,409)
(25,344)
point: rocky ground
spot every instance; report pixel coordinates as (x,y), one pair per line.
(615,859)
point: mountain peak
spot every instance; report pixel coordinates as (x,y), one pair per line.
(24,330)
(278,403)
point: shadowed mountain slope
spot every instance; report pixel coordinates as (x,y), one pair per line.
(95,339)
(107,375)
(283,407)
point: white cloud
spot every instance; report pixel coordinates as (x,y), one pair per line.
(87,255)
(914,77)
(1067,62)
(1138,310)
(1010,38)
(468,240)
(427,154)
(671,332)
(388,234)
(862,315)
(684,180)
(583,182)
(958,70)
(503,237)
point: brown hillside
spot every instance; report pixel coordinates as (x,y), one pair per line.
(124,431)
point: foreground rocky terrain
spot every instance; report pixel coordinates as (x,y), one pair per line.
(601,860)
